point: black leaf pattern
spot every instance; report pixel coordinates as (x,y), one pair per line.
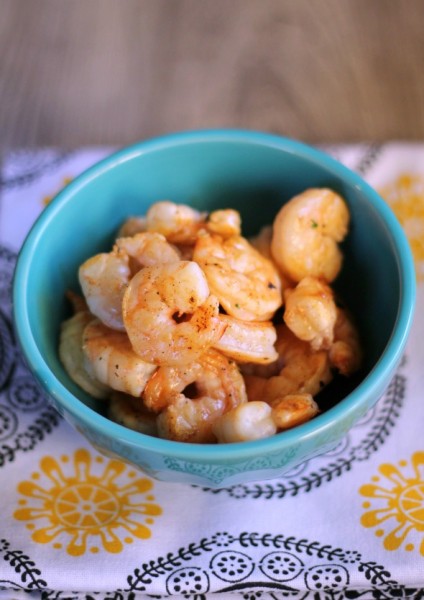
(380,427)
(20,394)
(36,432)
(31,166)
(144,576)
(23,566)
(368,159)
(325,559)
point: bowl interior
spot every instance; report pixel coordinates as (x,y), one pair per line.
(251,176)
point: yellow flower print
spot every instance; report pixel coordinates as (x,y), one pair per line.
(406,198)
(396,507)
(94,510)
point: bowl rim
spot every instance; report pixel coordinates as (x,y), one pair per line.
(324,422)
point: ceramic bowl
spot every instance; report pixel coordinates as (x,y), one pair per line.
(254,173)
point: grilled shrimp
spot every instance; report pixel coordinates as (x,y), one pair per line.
(169,314)
(103,279)
(132,226)
(212,374)
(179,223)
(191,397)
(248,421)
(146,249)
(262,241)
(246,284)
(131,412)
(188,420)
(293,410)
(303,370)
(265,371)
(112,360)
(310,312)
(306,233)
(226,222)
(72,356)
(345,352)
(247,341)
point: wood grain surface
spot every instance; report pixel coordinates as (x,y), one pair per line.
(78,72)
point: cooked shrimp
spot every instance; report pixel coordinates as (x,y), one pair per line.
(261,370)
(72,356)
(265,371)
(132,226)
(193,396)
(212,374)
(179,223)
(293,410)
(248,421)
(247,341)
(345,352)
(304,371)
(306,234)
(103,279)
(111,358)
(226,222)
(147,249)
(187,420)
(246,284)
(310,312)
(262,242)
(131,412)
(169,314)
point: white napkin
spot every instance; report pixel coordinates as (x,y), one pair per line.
(348,524)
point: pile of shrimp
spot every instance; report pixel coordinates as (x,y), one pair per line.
(194,333)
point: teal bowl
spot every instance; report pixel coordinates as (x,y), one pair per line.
(254,173)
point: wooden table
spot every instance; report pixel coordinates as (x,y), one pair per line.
(77,72)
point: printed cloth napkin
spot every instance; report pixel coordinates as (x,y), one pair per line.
(348,524)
